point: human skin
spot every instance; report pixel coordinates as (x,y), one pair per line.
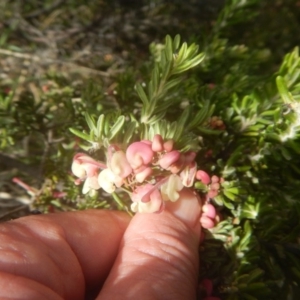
(75,255)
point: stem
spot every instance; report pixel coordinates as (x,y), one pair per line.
(121,203)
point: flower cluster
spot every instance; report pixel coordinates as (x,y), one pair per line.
(152,172)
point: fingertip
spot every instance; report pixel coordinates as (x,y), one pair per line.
(187,209)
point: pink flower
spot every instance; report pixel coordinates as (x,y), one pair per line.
(141,176)
(207,222)
(209,210)
(86,168)
(114,176)
(168,145)
(138,154)
(157,143)
(208,216)
(203,176)
(169,159)
(146,199)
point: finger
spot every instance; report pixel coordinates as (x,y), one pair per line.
(63,252)
(158,259)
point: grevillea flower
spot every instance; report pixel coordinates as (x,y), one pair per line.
(146,199)
(169,159)
(141,176)
(119,164)
(114,176)
(208,216)
(86,168)
(139,153)
(156,176)
(106,181)
(188,174)
(203,176)
(90,184)
(170,189)
(157,143)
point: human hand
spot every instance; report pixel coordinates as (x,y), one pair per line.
(75,254)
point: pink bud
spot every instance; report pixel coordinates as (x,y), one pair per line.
(209,210)
(178,165)
(215,186)
(169,158)
(214,179)
(168,145)
(147,142)
(212,193)
(140,177)
(157,144)
(190,157)
(206,222)
(203,176)
(138,154)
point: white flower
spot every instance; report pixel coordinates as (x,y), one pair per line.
(106,180)
(170,189)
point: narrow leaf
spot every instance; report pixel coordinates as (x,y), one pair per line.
(142,94)
(116,127)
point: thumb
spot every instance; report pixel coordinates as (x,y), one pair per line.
(158,256)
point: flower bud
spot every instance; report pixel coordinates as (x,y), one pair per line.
(169,159)
(209,210)
(168,145)
(207,222)
(141,176)
(203,176)
(157,144)
(138,154)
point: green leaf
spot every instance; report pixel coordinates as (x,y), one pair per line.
(169,48)
(129,132)
(181,54)
(230,195)
(176,42)
(283,90)
(80,134)
(116,127)
(100,125)
(181,124)
(90,122)
(142,94)
(189,64)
